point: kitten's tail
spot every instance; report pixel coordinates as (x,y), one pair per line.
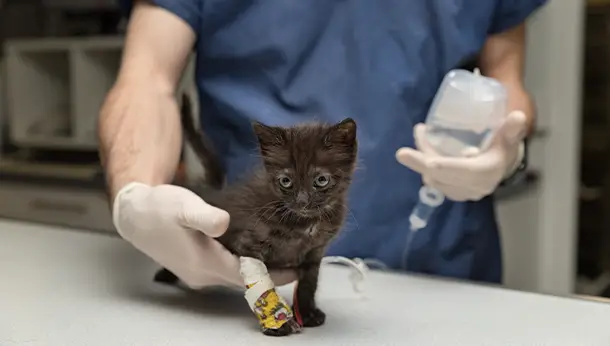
(202,146)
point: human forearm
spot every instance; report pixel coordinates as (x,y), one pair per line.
(503,58)
(137,142)
(139,124)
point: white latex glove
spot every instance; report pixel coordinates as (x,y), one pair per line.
(175,227)
(476,174)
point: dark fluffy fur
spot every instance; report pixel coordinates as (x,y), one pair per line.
(289,209)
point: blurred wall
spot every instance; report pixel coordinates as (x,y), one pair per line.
(538,229)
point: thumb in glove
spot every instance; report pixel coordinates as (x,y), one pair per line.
(198,215)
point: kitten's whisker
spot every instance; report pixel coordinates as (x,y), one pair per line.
(284,214)
(264,209)
(268,205)
(325,214)
(275,207)
(275,211)
(262,216)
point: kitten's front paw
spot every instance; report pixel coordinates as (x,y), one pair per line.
(313,318)
(284,330)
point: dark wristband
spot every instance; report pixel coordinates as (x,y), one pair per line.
(518,174)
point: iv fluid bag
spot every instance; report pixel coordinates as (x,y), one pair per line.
(465,112)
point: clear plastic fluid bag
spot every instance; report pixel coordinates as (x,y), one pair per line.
(465,113)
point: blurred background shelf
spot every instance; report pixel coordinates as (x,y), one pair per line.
(57,205)
(56,87)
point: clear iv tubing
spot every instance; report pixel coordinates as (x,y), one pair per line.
(359,273)
(429,199)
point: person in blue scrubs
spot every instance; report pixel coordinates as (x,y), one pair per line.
(282,62)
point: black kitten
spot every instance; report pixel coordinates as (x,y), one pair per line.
(286,212)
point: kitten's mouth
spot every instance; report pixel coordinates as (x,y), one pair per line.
(305,212)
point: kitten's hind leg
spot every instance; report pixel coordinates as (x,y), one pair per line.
(164,276)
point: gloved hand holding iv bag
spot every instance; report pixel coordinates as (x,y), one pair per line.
(471,173)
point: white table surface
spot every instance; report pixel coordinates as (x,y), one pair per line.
(69,288)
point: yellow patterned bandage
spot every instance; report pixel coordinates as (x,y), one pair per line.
(269,307)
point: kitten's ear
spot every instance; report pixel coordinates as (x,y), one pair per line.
(269,136)
(342,133)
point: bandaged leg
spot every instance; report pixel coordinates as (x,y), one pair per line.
(274,315)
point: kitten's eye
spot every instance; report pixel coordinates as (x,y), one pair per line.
(322,180)
(285,182)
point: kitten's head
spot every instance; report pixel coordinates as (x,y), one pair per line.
(309,166)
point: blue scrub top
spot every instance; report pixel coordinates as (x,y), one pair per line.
(380,62)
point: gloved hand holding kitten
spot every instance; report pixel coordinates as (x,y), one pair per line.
(175,227)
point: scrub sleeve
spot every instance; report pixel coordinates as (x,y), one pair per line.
(188,10)
(510,13)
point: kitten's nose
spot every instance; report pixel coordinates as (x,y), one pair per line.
(302,199)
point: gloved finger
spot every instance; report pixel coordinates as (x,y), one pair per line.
(466,170)
(216,266)
(451,192)
(201,280)
(414,159)
(223,268)
(460,195)
(513,127)
(470,152)
(200,216)
(448,185)
(457,192)
(421,143)
(283,277)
